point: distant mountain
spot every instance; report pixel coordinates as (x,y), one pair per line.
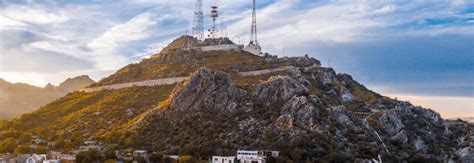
(232,99)
(20,98)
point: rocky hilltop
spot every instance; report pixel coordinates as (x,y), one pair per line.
(306,111)
(19,98)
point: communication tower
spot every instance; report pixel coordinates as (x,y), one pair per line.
(253,46)
(214,15)
(198,22)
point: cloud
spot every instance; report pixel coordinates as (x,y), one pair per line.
(106,47)
(34,14)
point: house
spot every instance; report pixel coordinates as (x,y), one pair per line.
(6,158)
(252,160)
(241,154)
(255,156)
(89,145)
(52,144)
(140,153)
(224,159)
(62,157)
(174,157)
(39,141)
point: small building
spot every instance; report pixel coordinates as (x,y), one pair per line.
(174,157)
(255,156)
(140,153)
(252,160)
(241,154)
(52,144)
(254,49)
(224,159)
(39,141)
(89,145)
(6,158)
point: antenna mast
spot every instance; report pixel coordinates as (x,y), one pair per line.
(198,23)
(214,15)
(253,33)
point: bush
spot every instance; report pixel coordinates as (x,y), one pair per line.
(22,149)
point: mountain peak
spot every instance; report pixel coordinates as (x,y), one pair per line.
(76,83)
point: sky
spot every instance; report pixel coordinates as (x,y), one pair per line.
(419,51)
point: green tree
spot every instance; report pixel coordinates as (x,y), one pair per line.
(88,157)
(167,159)
(271,160)
(40,132)
(7,145)
(22,149)
(80,157)
(41,150)
(184,159)
(156,158)
(68,146)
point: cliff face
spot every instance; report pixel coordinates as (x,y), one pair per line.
(19,98)
(282,113)
(306,112)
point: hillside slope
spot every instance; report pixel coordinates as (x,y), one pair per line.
(19,98)
(309,112)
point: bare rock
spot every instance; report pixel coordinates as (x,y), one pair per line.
(301,113)
(420,145)
(346,95)
(400,138)
(340,115)
(391,122)
(205,89)
(278,89)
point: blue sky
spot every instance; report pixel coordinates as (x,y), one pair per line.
(422,51)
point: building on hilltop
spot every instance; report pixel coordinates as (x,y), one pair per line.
(253,46)
(213,42)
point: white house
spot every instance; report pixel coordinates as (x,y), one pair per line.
(140,153)
(254,49)
(241,154)
(255,156)
(223,159)
(252,160)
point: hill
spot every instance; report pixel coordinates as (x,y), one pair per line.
(235,100)
(19,98)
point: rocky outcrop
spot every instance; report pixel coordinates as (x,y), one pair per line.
(299,111)
(346,95)
(400,138)
(205,89)
(391,122)
(323,75)
(278,89)
(340,115)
